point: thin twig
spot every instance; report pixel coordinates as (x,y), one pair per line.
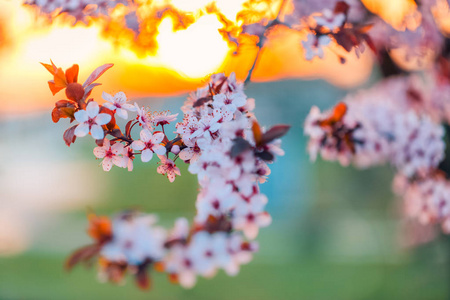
(250,72)
(260,44)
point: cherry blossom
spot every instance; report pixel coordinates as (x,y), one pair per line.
(168,168)
(90,121)
(225,147)
(149,144)
(313,46)
(118,104)
(329,19)
(144,118)
(162,118)
(111,154)
(129,156)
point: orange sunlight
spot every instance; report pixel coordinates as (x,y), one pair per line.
(181,62)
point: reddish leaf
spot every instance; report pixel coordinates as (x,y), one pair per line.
(69,135)
(202,101)
(88,89)
(344,39)
(99,142)
(53,88)
(240,145)
(173,278)
(339,111)
(56,115)
(128,128)
(100,228)
(112,124)
(257,133)
(82,255)
(51,68)
(72,74)
(371,44)
(75,91)
(67,112)
(341,7)
(60,78)
(142,279)
(65,103)
(96,74)
(275,132)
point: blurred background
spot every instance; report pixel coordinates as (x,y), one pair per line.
(335,233)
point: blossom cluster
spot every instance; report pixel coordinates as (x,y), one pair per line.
(224,145)
(397,121)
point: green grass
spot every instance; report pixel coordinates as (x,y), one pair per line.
(42,277)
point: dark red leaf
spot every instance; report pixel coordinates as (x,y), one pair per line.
(88,89)
(75,91)
(96,74)
(202,101)
(240,145)
(142,278)
(128,128)
(53,88)
(82,255)
(56,115)
(72,74)
(69,135)
(99,142)
(341,7)
(112,124)
(275,132)
(265,155)
(65,103)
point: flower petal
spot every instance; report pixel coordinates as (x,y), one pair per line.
(102,119)
(92,109)
(81,116)
(97,132)
(107,97)
(99,152)
(117,148)
(138,145)
(109,106)
(107,164)
(120,98)
(186,154)
(119,161)
(122,113)
(171,176)
(145,135)
(82,130)
(129,107)
(146,155)
(157,138)
(159,149)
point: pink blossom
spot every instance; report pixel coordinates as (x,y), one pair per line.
(144,118)
(162,118)
(313,46)
(149,144)
(112,155)
(118,103)
(168,168)
(329,19)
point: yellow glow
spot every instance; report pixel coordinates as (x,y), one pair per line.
(64,45)
(441,13)
(398,13)
(180,63)
(196,51)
